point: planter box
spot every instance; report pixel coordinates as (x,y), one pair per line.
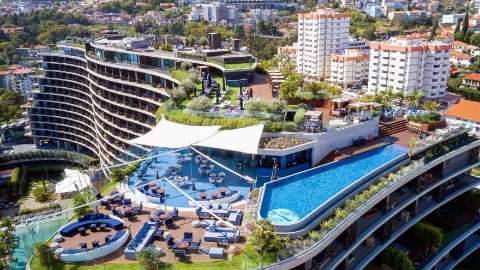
(315,102)
(426,127)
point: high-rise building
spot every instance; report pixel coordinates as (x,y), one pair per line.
(320,33)
(349,68)
(405,65)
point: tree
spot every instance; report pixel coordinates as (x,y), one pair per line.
(265,239)
(288,88)
(79,200)
(428,235)
(167,47)
(178,95)
(465,24)
(7,242)
(239,32)
(475,39)
(148,259)
(189,86)
(44,253)
(203,42)
(116,175)
(430,106)
(201,104)
(415,97)
(369,33)
(434,29)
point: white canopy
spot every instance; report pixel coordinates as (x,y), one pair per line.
(74,181)
(243,140)
(172,135)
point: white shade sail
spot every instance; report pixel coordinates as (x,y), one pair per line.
(243,140)
(74,181)
(173,135)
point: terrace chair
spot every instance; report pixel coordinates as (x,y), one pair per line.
(170,242)
(188,236)
(127,203)
(168,223)
(175,213)
(181,253)
(158,234)
(194,246)
(137,209)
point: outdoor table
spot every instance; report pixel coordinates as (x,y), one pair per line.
(182,245)
(83,245)
(54,245)
(93,227)
(81,230)
(162,191)
(103,226)
(164,216)
(94,243)
(153,188)
(203,195)
(59,251)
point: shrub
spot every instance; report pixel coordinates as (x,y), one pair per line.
(178,95)
(148,259)
(26,211)
(256,105)
(166,47)
(117,175)
(14,184)
(276,106)
(397,259)
(201,104)
(186,65)
(42,194)
(429,235)
(189,86)
(299,116)
(304,96)
(78,200)
(274,126)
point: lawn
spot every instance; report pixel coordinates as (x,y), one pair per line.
(238,65)
(247,260)
(179,74)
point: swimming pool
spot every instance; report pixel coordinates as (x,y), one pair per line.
(291,199)
(34,232)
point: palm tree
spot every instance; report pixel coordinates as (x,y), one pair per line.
(265,239)
(430,106)
(415,97)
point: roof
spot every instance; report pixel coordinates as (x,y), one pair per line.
(472,76)
(459,43)
(460,55)
(465,109)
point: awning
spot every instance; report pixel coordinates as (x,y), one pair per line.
(173,135)
(74,181)
(243,140)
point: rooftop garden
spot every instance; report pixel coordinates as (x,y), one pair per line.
(280,142)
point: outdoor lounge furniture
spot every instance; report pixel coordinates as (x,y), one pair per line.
(137,209)
(188,236)
(141,240)
(216,253)
(181,253)
(159,234)
(175,213)
(170,242)
(218,234)
(204,223)
(194,246)
(87,220)
(235,218)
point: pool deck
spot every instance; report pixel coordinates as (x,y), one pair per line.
(182,224)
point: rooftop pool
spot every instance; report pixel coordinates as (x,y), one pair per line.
(292,199)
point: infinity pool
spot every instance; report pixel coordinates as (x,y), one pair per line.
(288,200)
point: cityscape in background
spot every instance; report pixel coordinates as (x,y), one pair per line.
(240,134)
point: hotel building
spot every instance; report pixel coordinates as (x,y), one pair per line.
(404,65)
(96,98)
(320,34)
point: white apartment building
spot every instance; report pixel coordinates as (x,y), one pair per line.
(349,68)
(405,65)
(17,78)
(320,33)
(210,12)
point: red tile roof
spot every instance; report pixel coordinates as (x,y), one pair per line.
(472,76)
(465,109)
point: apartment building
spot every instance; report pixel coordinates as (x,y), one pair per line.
(405,65)
(320,33)
(17,78)
(214,12)
(349,68)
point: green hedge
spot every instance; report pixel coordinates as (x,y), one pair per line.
(51,206)
(428,234)
(397,259)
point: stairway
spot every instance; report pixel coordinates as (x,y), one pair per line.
(331,157)
(392,127)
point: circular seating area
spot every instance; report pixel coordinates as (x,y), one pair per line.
(96,222)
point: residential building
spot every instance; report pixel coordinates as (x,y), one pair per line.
(407,16)
(357,43)
(465,110)
(405,65)
(393,5)
(460,59)
(474,23)
(452,19)
(320,33)
(472,80)
(349,68)
(349,3)
(263,4)
(374,11)
(264,14)
(289,52)
(17,78)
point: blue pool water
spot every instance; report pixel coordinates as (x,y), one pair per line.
(32,233)
(290,199)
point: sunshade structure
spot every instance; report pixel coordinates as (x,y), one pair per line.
(74,181)
(172,135)
(243,140)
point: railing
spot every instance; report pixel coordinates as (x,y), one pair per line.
(78,158)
